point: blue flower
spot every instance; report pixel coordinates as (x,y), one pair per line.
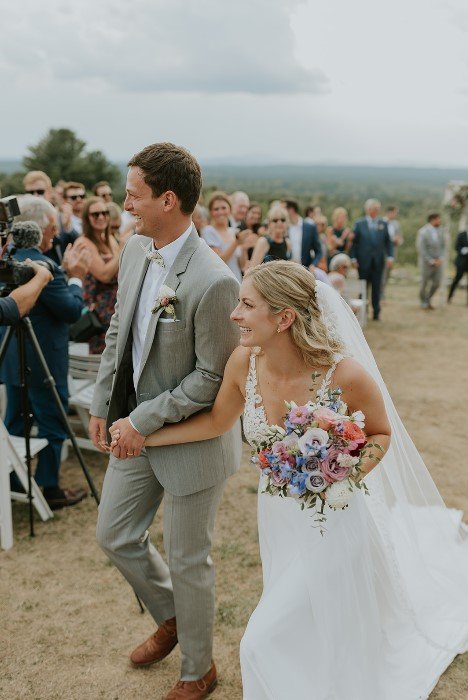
(297,484)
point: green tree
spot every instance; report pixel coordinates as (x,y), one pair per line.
(63,156)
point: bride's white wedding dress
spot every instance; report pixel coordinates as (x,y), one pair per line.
(377,607)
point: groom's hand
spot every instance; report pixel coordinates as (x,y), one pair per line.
(130,441)
(97,433)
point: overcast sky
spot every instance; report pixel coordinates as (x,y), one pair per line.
(361,81)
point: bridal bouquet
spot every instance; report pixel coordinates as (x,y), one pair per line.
(316,458)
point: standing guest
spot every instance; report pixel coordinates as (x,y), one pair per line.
(431,248)
(223,238)
(103,190)
(305,242)
(461,261)
(39,184)
(396,236)
(74,194)
(274,245)
(239,205)
(253,227)
(57,194)
(312,212)
(322,225)
(339,234)
(100,284)
(372,249)
(59,304)
(200,218)
(115,219)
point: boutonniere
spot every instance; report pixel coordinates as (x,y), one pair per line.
(166,300)
(381,227)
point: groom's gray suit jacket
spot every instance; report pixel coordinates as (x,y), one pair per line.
(182,364)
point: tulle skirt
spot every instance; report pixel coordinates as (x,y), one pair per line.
(346,615)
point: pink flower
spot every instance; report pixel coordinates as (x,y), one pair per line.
(331,468)
(282,449)
(326,418)
(298,415)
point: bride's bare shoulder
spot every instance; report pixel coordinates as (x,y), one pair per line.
(238,365)
(349,372)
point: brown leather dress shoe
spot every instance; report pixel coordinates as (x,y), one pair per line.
(156,647)
(195,690)
(63,498)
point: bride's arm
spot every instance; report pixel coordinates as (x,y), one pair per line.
(226,409)
(361,393)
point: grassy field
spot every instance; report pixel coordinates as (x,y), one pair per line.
(69,620)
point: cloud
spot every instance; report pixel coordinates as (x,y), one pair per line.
(206,46)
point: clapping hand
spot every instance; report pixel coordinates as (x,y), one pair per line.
(76,261)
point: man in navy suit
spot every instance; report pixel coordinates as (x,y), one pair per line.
(372,249)
(59,304)
(305,241)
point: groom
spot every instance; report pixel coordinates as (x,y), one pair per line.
(160,365)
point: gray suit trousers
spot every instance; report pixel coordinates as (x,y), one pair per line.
(431,277)
(184,587)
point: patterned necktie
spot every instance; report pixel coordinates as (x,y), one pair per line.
(154,256)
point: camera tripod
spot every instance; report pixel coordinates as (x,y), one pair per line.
(23,329)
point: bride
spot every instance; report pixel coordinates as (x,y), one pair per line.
(377,607)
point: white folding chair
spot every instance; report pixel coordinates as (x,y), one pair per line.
(12,459)
(356,292)
(82,373)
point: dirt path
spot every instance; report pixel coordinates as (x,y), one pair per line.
(67,618)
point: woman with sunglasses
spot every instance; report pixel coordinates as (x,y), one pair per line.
(100,284)
(274,245)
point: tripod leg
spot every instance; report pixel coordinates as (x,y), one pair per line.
(26,419)
(50,382)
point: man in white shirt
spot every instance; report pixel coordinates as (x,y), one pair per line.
(305,241)
(240,203)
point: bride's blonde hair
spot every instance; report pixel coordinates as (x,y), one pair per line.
(284,284)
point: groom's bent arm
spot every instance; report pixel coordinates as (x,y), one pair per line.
(216,336)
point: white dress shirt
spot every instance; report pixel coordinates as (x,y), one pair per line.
(154,279)
(295,236)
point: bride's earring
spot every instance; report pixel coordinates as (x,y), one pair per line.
(279,330)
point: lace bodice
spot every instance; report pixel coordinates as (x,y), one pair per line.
(255,419)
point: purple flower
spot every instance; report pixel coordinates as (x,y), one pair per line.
(331,467)
(298,415)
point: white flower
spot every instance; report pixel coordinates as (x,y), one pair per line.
(347,460)
(342,408)
(165,291)
(339,494)
(314,437)
(315,482)
(358,417)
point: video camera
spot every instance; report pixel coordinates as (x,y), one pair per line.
(13,274)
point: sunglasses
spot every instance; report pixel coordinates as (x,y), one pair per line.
(97,214)
(74,197)
(41,193)
(275,221)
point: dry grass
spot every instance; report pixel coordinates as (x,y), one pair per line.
(68,619)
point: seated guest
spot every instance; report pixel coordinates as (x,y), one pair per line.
(222,237)
(100,284)
(339,235)
(340,266)
(59,304)
(274,245)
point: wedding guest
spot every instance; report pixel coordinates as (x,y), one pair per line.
(312,212)
(74,194)
(461,261)
(339,234)
(37,183)
(253,227)
(322,224)
(239,205)
(103,190)
(430,245)
(100,284)
(371,250)
(274,245)
(115,219)
(394,229)
(223,238)
(305,242)
(200,218)
(340,265)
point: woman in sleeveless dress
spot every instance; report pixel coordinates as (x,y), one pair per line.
(376,607)
(274,245)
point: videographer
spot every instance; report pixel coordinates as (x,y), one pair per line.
(21,300)
(59,304)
